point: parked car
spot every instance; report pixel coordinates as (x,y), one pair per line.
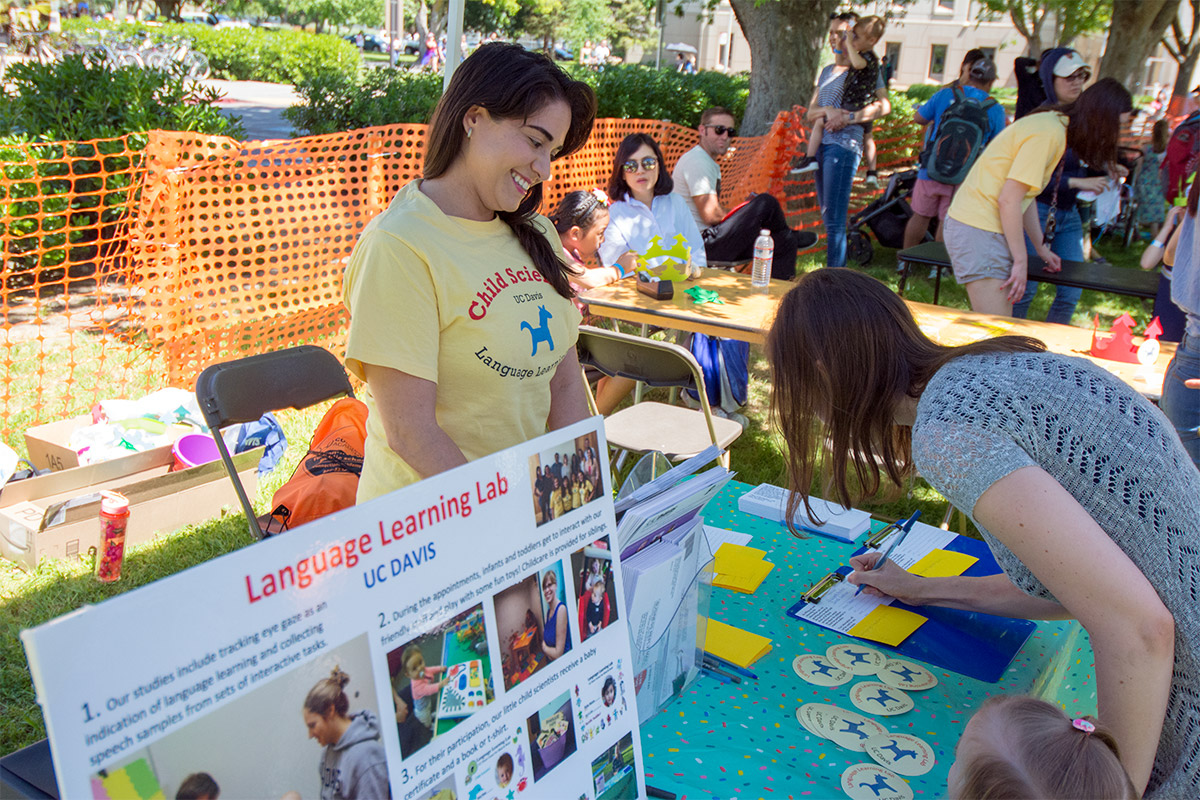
(563,54)
(371,42)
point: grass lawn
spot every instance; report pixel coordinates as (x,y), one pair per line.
(57,587)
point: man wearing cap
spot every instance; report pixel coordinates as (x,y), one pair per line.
(931,198)
(730,235)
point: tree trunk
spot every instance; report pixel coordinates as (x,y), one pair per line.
(1135,31)
(786,38)
(1186,68)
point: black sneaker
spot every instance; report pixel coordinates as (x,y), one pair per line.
(804,239)
(807,165)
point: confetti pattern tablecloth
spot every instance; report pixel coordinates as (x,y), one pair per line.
(729,740)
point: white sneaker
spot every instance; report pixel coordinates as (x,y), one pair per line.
(872,182)
(740,419)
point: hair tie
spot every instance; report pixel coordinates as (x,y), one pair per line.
(1081,724)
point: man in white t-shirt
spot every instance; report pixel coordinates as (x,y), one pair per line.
(730,235)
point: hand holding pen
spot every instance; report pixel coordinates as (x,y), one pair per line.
(903,526)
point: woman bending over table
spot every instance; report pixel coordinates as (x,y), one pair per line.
(1078,485)
(461,315)
(994,207)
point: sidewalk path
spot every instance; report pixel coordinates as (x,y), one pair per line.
(260,105)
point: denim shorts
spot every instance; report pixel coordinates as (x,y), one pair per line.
(976,253)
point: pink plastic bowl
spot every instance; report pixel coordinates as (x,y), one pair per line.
(194,449)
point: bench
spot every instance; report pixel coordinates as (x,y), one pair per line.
(1080,274)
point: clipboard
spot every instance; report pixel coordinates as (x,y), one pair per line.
(970,643)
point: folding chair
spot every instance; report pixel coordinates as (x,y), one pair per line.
(677,432)
(240,391)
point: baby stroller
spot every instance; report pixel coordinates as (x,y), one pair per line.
(886,217)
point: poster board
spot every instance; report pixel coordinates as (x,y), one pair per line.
(218,670)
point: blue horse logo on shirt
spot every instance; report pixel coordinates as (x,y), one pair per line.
(540,333)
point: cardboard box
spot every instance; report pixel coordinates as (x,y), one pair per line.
(48,448)
(57,515)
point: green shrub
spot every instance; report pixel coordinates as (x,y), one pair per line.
(244,54)
(74,100)
(62,192)
(334,102)
(631,91)
(921,91)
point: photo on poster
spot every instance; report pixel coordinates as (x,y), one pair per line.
(533,623)
(565,477)
(440,679)
(592,572)
(445,790)
(500,769)
(261,744)
(614,774)
(551,735)
(600,701)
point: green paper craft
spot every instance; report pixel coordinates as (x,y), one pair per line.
(670,262)
(701,296)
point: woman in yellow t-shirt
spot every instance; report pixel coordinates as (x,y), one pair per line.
(461,315)
(557,506)
(993,208)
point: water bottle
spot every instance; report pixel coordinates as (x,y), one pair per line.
(764,247)
(114,516)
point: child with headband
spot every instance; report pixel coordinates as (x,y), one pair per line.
(1021,747)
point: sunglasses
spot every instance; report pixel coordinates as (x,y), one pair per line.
(648,163)
(1080,76)
(721,130)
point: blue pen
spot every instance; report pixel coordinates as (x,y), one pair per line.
(904,526)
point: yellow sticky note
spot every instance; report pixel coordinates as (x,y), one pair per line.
(746,579)
(888,625)
(942,564)
(729,556)
(734,644)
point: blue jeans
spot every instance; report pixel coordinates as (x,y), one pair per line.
(1179,403)
(1067,245)
(834,178)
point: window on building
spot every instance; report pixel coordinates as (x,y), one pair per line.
(892,50)
(943,6)
(937,61)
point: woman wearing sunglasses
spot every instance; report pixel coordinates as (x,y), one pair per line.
(644,206)
(1064,73)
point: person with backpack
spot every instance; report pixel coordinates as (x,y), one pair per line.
(1063,76)
(994,206)
(962,120)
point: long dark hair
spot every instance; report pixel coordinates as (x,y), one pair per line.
(511,82)
(1094,126)
(618,189)
(844,351)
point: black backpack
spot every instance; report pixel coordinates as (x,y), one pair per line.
(962,132)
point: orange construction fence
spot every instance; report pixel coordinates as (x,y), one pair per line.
(133,263)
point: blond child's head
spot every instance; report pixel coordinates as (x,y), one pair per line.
(1019,747)
(868,31)
(414,661)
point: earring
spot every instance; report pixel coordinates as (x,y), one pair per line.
(469,130)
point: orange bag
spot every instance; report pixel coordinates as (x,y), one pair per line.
(326,479)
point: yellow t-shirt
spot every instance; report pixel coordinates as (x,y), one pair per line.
(457,302)
(575,501)
(556,503)
(1027,151)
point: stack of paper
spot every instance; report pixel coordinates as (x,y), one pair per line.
(678,506)
(770,502)
(740,568)
(734,644)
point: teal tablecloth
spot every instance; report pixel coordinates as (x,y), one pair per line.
(729,740)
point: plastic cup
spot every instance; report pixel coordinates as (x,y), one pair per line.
(194,449)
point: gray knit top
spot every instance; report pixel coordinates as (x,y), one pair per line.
(984,416)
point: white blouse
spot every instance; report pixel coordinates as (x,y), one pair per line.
(631,224)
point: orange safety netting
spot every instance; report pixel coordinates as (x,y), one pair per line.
(66,296)
(130,269)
